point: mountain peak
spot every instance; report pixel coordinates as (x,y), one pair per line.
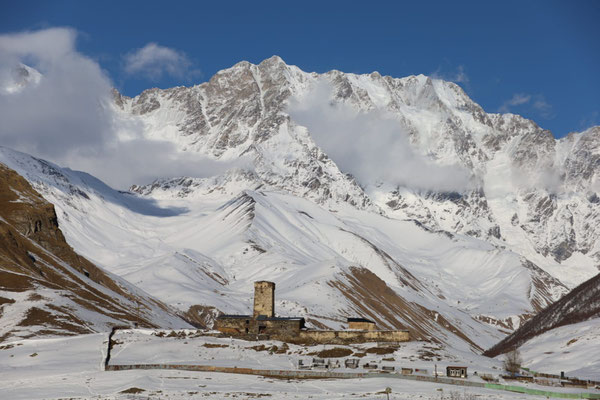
(431,125)
(274,59)
(20,77)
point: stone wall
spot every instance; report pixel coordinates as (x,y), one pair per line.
(361,326)
(344,337)
(290,330)
(234,326)
(264,299)
(274,327)
(284,327)
(291,374)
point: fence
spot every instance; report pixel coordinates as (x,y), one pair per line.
(524,390)
(246,371)
(290,374)
(564,379)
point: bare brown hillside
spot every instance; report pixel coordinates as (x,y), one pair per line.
(372,297)
(48,289)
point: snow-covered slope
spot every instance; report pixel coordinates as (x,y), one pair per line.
(581,304)
(73,368)
(490,220)
(527,191)
(46,288)
(562,337)
(570,348)
(198,244)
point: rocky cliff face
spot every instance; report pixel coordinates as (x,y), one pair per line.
(47,288)
(528,191)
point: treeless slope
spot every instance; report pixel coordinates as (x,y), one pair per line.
(47,288)
(374,299)
(580,304)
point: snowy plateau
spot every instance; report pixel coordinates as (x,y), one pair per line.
(400,200)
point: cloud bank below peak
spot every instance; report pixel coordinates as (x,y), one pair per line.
(372,146)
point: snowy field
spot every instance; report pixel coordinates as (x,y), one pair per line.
(573,347)
(66,368)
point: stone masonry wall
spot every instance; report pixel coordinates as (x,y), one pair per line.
(264,299)
(281,327)
(233,326)
(345,337)
(362,326)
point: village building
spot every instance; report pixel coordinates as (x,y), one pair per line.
(263,320)
(361,324)
(264,323)
(456,372)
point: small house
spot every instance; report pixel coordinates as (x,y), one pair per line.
(320,363)
(456,372)
(371,365)
(302,365)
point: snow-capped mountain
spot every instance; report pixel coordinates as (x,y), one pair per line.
(48,289)
(527,191)
(511,225)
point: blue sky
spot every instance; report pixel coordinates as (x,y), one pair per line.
(540,59)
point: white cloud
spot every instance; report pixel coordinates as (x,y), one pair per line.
(459,76)
(372,146)
(590,120)
(516,100)
(64,110)
(541,105)
(153,61)
(47,45)
(536,102)
(141,160)
(68,117)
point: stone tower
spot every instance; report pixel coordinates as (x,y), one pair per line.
(264,299)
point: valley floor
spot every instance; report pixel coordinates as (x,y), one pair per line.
(72,367)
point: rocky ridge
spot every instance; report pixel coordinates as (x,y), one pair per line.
(549,214)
